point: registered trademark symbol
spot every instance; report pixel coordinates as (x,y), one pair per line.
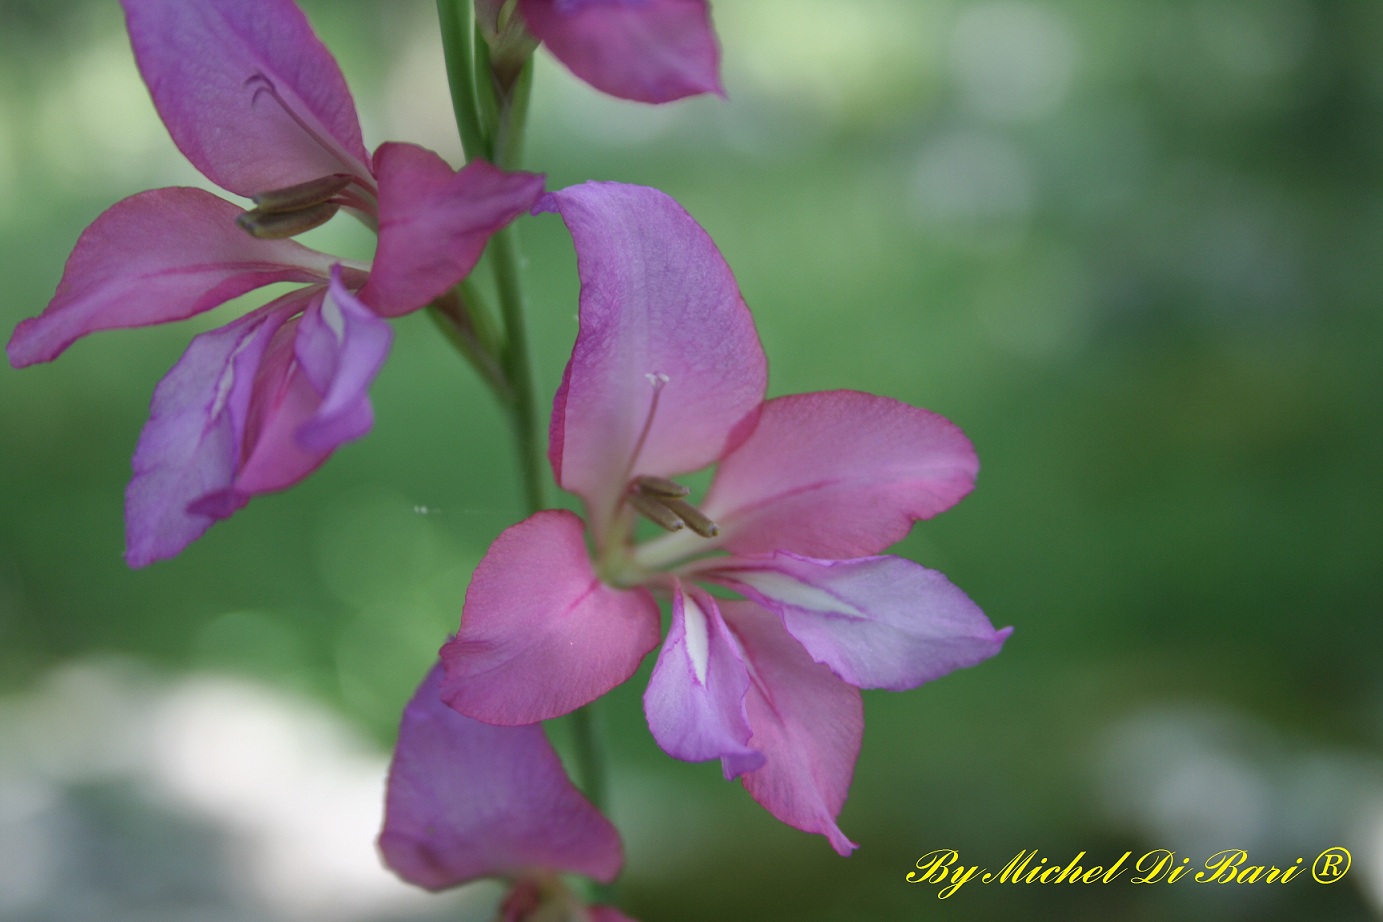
(1330,865)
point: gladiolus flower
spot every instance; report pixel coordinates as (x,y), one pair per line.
(467,800)
(258,105)
(667,377)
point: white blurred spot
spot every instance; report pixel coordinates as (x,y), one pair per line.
(290,797)
(1012,59)
(973,185)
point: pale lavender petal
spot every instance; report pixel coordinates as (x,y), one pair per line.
(878,622)
(341,346)
(838,474)
(434,223)
(283,402)
(806,722)
(158,256)
(540,634)
(695,698)
(667,373)
(467,800)
(645,50)
(191,446)
(250,95)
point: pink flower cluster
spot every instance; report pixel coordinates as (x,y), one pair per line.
(782,607)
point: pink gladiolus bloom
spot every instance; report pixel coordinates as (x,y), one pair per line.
(645,50)
(467,800)
(667,377)
(258,104)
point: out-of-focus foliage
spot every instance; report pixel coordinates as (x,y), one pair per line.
(1132,248)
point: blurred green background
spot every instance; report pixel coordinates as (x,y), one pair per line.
(1133,249)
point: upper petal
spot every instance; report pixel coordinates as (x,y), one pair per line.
(434,222)
(158,256)
(250,95)
(838,474)
(468,800)
(695,697)
(645,50)
(806,722)
(340,346)
(878,622)
(191,447)
(667,372)
(540,634)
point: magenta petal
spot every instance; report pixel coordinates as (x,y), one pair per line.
(191,446)
(645,50)
(340,346)
(878,622)
(695,697)
(434,223)
(468,800)
(662,326)
(838,474)
(608,914)
(158,256)
(248,92)
(807,723)
(540,634)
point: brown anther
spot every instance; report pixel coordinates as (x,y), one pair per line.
(278,225)
(694,518)
(653,509)
(303,195)
(659,486)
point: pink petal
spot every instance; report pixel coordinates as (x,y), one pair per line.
(191,446)
(838,474)
(540,634)
(248,92)
(645,50)
(662,325)
(695,697)
(608,914)
(468,800)
(807,723)
(434,223)
(340,347)
(158,256)
(878,622)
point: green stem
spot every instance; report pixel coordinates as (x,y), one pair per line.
(455,315)
(491,120)
(518,368)
(457,20)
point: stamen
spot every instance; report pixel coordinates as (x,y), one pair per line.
(660,500)
(659,486)
(653,509)
(694,518)
(277,226)
(303,195)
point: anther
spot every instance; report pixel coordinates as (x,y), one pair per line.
(659,486)
(653,509)
(694,518)
(303,195)
(661,500)
(278,225)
